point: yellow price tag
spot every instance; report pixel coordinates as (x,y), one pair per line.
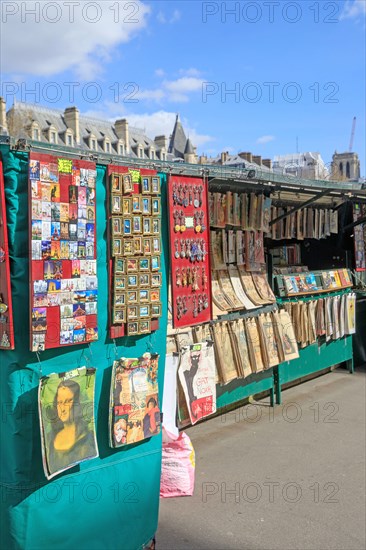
(65,166)
(135,175)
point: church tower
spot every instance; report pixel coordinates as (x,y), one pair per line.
(345,167)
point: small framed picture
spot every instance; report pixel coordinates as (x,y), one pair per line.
(137,224)
(136,204)
(146,246)
(128,249)
(127,226)
(155,185)
(145,326)
(156,280)
(156,310)
(132,265)
(137,245)
(144,295)
(119,265)
(156,246)
(116,204)
(119,316)
(132,281)
(116,183)
(146,206)
(132,312)
(155,206)
(155,263)
(132,297)
(132,329)
(154,295)
(127,184)
(126,206)
(119,300)
(119,284)
(145,280)
(117,247)
(144,264)
(116,225)
(146,185)
(144,311)
(156,226)
(147,226)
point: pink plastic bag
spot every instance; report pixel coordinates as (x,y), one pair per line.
(178,466)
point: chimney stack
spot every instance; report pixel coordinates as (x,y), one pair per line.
(161,142)
(121,129)
(246,156)
(3,122)
(257,159)
(268,163)
(71,116)
(224,156)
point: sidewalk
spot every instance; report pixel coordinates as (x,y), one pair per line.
(292,478)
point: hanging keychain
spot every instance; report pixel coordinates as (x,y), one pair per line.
(184,277)
(176,245)
(178,277)
(182,222)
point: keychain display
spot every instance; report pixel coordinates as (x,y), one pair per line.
(189,244)
(6,309)
(135,251)
(63,272)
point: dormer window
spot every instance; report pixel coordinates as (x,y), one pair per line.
(92,142)
(107,147)
(35,131)
(52,134)
(141,152)
(152,154)
(69,138)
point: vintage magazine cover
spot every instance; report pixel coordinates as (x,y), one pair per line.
(66,411)
(254,345)
(134,401)
(197,375)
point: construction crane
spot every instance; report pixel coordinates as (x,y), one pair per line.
(352,134)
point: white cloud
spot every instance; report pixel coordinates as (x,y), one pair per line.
(265,139)
(174,91)
(168,19)
(353,9)
(183,85)
(72,41)
(190,72)
(160,73)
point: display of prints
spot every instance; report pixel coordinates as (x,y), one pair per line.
(134,403)
(66,411)
(197,375)
(63,267)
(189,245)
(359,237)
(6,308)
(135,249)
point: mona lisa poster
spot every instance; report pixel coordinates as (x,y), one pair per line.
(135,411)
(66,410)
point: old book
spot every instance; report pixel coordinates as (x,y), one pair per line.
(238,332)
(238,288)
(227,289)
(225,359)
(263,288)
(249,287)
(254,346)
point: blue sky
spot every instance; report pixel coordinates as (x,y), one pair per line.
(295,69)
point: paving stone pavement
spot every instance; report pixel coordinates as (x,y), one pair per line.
(292,478)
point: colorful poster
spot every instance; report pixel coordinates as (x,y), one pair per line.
(135,413)
(197,374)
(66,410)
(63,267)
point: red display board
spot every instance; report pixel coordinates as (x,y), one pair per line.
(63,267)
(6,310)
(134,249)
(189,247)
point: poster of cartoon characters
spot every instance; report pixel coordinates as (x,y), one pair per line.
(134,404)
(66,411)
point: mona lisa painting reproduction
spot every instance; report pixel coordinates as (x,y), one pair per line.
(66,404)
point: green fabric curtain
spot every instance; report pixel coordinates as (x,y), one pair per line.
(107,503)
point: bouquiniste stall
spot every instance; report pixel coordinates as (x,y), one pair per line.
(93,247)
